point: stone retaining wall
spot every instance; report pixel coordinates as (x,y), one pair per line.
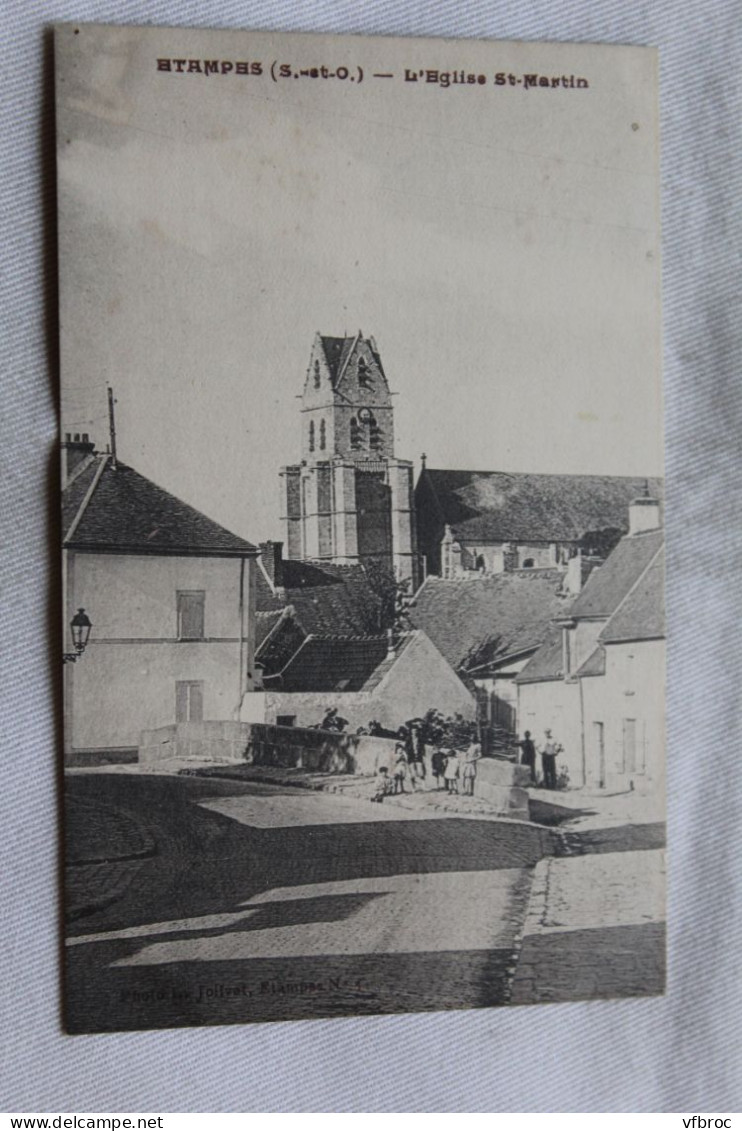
(320,750)
(211,741)
(500,783)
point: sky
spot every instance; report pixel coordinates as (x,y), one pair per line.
(500,244)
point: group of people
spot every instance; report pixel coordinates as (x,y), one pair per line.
(455,770)
(452,766)
(448,767)
(549,750)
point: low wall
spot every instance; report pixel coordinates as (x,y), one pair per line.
(211,741)
(499,782)
(321,750)
(502,784)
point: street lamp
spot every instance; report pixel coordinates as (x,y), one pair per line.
(80,625)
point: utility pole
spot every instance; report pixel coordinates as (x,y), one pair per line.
(112,425)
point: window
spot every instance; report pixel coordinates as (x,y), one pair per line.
(189,701)
(364,377)
(322,435)
(528,563)
(317,376)
(311,435)
(191,614)
(374,433)
(629,765)
(355,433)
(285,720)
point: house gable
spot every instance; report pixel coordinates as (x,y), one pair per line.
(111,507)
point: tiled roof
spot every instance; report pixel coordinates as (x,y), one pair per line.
(480,621)
(317,600)
(642,615)
(266,600)
(277,647)
(627,591)
(127,512)
(330,664)
(496,506)
(347,608)
(74,493)
(265,623)
(388,662)
(336,352)
(547,662)
(594,664)
(608,585)
(327,599)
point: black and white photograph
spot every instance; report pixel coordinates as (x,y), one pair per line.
(362,525)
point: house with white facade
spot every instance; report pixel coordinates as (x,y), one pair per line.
(171,598)
(597,682)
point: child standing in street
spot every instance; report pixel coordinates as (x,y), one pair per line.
(451,772)
(438,766)
(471,757)
(400,769)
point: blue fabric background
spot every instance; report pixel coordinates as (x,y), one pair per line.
(680,1053)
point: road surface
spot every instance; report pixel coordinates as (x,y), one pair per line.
(263,902)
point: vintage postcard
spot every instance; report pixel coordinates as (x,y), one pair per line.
(362,525)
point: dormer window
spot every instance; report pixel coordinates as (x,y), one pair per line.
(317,375)
(364,375)
(311,435)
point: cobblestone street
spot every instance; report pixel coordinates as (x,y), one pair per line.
(594,928)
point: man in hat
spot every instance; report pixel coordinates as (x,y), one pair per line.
(549,752)
(415,751)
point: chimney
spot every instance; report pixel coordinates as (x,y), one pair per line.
(74,451)
(577,572)
(271,557)
(509,557)
(644,513)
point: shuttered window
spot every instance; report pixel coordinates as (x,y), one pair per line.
(191,614)
(189,701)
(629,746)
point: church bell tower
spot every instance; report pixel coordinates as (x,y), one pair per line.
(350,500)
